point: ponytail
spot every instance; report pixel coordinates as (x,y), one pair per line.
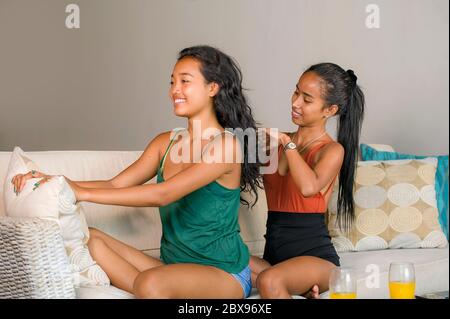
(341,89)
(349,128)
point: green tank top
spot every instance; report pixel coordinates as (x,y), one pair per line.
(202,227)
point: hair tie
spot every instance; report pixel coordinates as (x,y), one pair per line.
(352,75)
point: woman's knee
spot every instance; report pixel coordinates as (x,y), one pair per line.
(95,236)
(95,243)
(148,285)
(269,282)
(93,232)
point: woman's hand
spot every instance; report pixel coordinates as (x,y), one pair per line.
(20,180)
(280,137)
(284,139)
(80,192)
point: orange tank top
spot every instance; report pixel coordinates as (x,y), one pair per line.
(283,195)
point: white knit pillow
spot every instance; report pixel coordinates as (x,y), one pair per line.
(55,201)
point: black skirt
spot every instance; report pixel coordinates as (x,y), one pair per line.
(297,234)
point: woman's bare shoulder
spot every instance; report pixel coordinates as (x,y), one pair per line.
(159,143)
(332,148)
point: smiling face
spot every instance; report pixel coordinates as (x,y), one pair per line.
(189,91)
(308,105)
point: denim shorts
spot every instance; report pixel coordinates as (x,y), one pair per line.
(245,279)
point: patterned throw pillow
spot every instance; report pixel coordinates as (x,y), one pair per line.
(369,153)
(395,207)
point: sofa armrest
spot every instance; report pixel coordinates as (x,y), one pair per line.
(33,260)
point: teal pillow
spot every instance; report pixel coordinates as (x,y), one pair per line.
(441,185)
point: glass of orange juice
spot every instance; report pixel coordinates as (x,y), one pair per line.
(342,283)
(402,282)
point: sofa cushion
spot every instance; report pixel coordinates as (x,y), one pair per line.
(395,207)
(109,292)
(372,271)
(372,153)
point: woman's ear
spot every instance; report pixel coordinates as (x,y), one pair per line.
(213,89)
(332,110)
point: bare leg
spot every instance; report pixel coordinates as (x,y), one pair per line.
(181,281)
(122,263)
(295,276)
(257,265)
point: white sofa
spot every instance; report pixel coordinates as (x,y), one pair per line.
(141,227)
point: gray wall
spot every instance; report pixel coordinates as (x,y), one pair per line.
(105,86)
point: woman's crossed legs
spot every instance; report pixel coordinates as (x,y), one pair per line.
(147,277)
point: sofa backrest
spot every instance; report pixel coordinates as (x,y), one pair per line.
(136,226)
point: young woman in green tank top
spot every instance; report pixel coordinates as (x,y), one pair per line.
(202,252)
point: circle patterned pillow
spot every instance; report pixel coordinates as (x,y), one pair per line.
(395,207)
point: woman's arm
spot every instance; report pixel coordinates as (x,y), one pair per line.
(283,165)
(94,184)
(142,170)
(311,181)
(176,187)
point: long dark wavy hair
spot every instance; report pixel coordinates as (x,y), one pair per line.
(230,105)
(340,87)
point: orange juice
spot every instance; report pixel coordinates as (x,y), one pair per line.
(343,295)
(402,290)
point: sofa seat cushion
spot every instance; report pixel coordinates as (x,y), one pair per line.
(112,292)
(109,292)
(431,267)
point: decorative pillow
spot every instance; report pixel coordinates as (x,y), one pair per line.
(370,154)
(55,201)
(395,207)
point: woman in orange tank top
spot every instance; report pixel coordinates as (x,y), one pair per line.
(299,255)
